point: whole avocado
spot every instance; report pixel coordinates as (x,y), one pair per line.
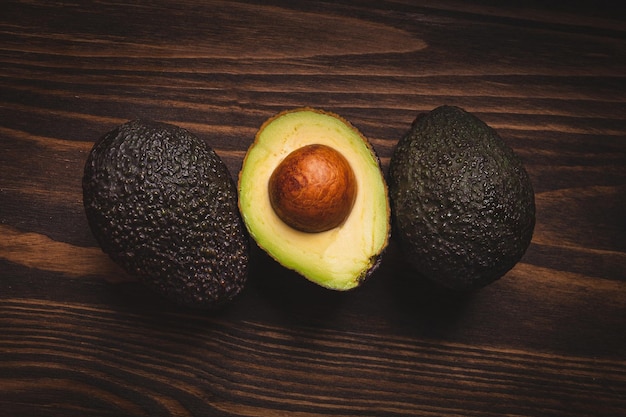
(162,204)
(462,203)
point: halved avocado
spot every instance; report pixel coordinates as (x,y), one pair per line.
(349,247)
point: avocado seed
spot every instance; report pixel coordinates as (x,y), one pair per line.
(313,189)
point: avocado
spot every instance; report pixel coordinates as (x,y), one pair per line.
(162,204)
(463,204)
(313,196)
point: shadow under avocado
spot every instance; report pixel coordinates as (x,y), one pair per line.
(421,305)
(394,294)
(288,295)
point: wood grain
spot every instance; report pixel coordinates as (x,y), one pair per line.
(80,337)
(165,367)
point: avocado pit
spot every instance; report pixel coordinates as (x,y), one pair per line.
(313,189)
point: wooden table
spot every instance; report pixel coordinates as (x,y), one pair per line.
(79,338)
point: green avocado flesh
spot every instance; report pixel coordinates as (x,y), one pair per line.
(339,258)
(162,204)
(463,204)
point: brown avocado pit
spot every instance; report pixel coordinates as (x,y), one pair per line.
(313,189)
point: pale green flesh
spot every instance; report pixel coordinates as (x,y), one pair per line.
(339,258)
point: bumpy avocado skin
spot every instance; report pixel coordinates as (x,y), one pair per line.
(462,203)
(162,204)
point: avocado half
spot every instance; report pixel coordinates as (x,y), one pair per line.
(162,204)
(341,255)
(463,204)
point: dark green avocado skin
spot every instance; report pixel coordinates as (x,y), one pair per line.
(162,204)
(463,205)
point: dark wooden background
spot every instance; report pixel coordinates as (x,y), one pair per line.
(78,337)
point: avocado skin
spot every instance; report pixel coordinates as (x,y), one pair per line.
(463,205)
(162,204)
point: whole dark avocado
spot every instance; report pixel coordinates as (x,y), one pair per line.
(162,204)
(462,203)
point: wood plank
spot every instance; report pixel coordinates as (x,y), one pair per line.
(175,363)
(78,336)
